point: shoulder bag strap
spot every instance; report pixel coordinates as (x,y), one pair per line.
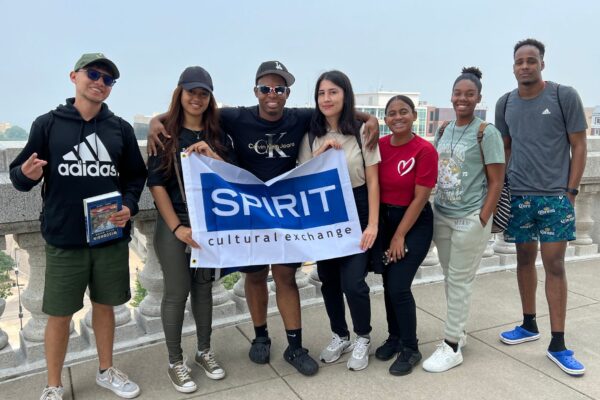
(179,181)
(442,129)
(479,140)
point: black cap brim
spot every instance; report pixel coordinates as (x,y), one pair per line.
(287,77)
(195,85)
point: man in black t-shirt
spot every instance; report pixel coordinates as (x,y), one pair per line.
(266,139)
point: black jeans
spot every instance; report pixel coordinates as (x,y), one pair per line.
(400,307)
(346,276)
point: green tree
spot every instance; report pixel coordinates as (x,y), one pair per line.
(6,265)
(14,133)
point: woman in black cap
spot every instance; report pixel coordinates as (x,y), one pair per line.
(193,114)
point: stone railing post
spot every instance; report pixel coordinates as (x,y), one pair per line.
(584,244)
(223,305)
(239,294)
(306,290)
(313,278)
(125,328)
(430,267)
(147,314)
(3,335)
(506,251)
(32,258)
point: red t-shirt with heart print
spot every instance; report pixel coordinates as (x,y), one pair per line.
(402,167)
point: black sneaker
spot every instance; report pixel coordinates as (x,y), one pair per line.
(260,350)
(300,359)
(388,349)
(405,362)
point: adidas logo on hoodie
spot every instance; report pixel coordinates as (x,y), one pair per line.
(89,158)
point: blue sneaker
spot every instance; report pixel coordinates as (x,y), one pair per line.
(565,361)
(518,335)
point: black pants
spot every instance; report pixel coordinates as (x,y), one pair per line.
(346,276)
(400,307)
(179,281)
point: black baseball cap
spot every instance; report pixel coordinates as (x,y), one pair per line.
(276,68)
(195,77)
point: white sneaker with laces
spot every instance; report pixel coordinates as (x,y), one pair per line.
(443,358)
(360,355)
(336,348)
(118,382)
(52,393)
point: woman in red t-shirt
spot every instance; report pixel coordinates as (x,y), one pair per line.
(407,174)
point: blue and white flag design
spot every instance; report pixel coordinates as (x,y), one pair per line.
(306,214)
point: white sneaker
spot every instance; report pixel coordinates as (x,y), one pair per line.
(443,358)
(52,393)
(360,355)
(335,349)
(118,382)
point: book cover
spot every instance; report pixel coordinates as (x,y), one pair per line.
(98,210)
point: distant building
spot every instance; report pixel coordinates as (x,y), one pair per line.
(429,118)
(588,117)
(595,119)
(437,116)
(4,126)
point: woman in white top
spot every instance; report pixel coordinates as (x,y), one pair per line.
(334,126)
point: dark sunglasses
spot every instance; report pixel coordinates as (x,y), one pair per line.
(95,75)
(278,90)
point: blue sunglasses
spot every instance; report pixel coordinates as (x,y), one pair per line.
(95,75)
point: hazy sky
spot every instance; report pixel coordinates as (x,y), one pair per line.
(391,45)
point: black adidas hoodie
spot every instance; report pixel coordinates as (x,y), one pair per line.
(85,159)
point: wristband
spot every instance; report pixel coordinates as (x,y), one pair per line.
(177,227)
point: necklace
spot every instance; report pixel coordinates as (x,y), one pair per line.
(452,144)
(195,132)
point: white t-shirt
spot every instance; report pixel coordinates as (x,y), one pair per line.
(354,157)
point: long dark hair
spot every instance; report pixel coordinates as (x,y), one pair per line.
(347,125)
(174,124)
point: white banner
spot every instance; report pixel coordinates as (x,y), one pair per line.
(306,214)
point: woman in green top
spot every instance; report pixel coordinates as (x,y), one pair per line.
(464,204)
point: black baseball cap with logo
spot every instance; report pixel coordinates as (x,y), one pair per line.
(275,68)
(195,77)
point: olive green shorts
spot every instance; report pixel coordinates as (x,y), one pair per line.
(70,271)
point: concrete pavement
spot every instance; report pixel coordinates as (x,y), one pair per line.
(491,370)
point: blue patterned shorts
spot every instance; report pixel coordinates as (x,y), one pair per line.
(543,218)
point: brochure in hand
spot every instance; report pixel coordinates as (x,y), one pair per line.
(98,210)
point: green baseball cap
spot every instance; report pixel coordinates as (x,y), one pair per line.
(90,58)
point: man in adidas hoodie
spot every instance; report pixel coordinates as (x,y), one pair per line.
(81,150)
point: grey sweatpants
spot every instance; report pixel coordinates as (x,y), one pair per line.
(179,281)
(460,244)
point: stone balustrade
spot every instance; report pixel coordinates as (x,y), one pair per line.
(141,325)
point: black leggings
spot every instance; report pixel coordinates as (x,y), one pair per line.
(346,276)
(400,307)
